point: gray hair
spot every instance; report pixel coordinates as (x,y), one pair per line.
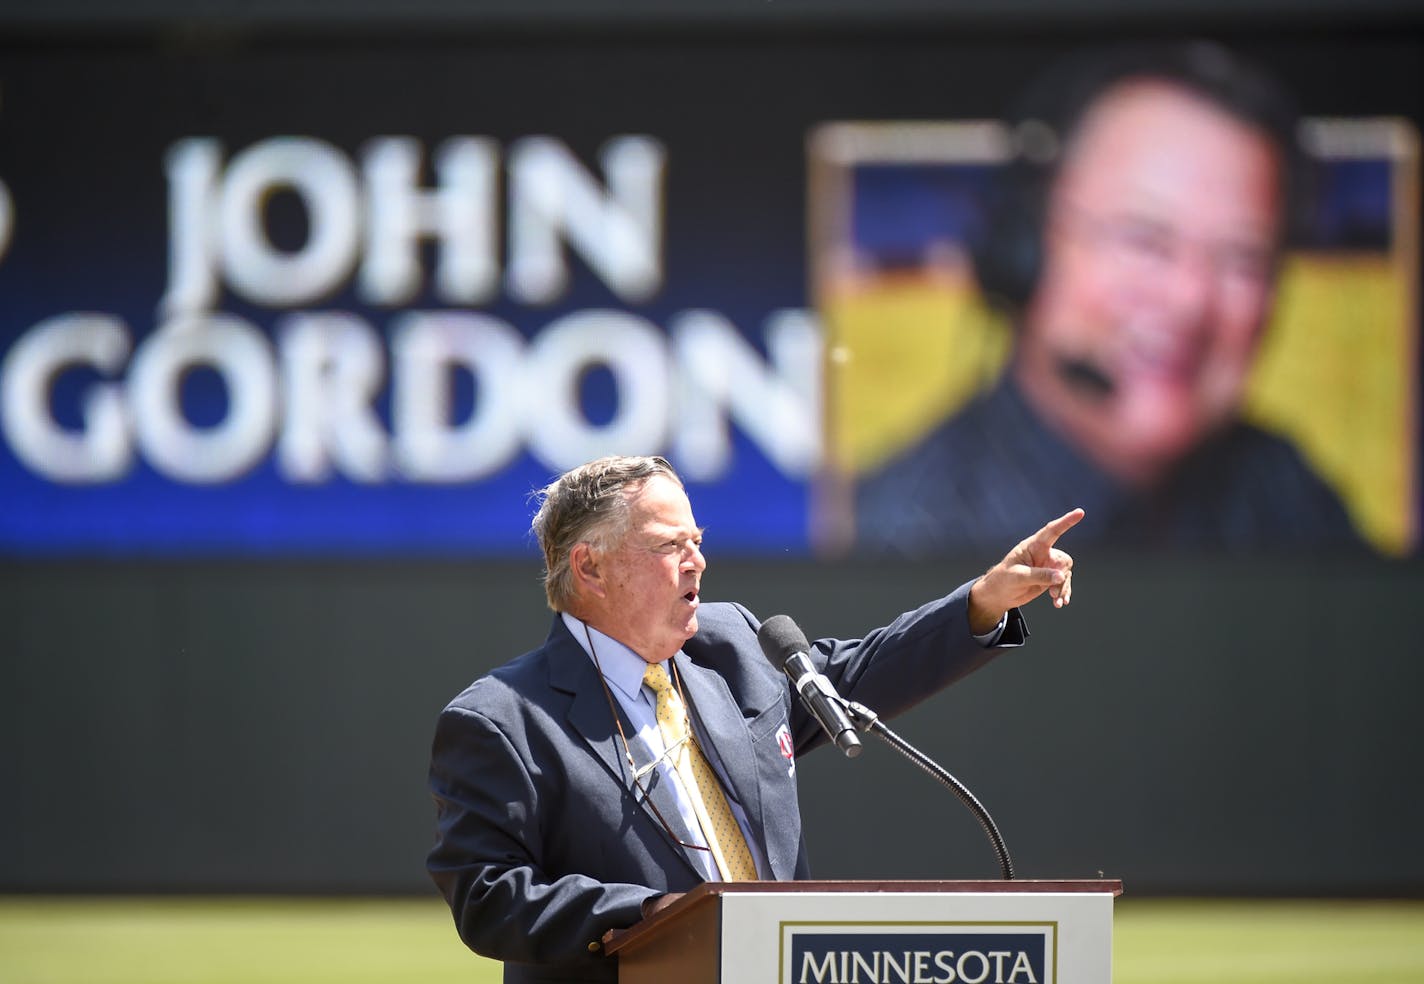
(588,504)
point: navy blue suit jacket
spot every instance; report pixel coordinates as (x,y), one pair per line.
(543,843)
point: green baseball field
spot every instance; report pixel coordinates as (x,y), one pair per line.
(381,941)
(362,941)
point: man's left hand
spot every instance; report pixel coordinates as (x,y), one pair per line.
(1028,570)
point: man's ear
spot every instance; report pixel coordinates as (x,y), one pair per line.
(588,575)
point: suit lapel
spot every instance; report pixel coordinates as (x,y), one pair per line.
(573,672)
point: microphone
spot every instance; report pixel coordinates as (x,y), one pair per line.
(786,646)
(1085,377)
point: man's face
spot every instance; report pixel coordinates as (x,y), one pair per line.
(654,574)
(1158,274)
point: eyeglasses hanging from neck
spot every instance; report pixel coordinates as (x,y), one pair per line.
(637,773)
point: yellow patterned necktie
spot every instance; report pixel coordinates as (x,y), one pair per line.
(719,826)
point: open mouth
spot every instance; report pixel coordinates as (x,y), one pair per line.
(690,597)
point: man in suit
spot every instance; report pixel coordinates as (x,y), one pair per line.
(571,796)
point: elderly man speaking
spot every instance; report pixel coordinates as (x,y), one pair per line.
(647,745)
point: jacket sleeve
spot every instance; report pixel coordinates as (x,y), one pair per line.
(485,859)
(895,667)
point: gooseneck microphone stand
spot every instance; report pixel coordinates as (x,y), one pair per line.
(868,721)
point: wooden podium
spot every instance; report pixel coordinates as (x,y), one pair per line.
(865,932)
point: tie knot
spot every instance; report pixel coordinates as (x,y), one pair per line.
(656,678)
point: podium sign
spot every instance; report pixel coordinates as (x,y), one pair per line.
(914,938)
(878,933)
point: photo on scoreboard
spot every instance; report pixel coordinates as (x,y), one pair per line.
(919,357)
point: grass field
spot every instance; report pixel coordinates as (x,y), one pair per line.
(356,941)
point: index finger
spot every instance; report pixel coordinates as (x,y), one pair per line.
(1053,530)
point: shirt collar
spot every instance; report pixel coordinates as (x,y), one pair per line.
(622,668)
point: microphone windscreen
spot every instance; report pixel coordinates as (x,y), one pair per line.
(780,638)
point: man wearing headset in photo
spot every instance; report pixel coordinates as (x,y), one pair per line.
(1136,245)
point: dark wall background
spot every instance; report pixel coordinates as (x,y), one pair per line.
(1189,724)
(1186,725)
